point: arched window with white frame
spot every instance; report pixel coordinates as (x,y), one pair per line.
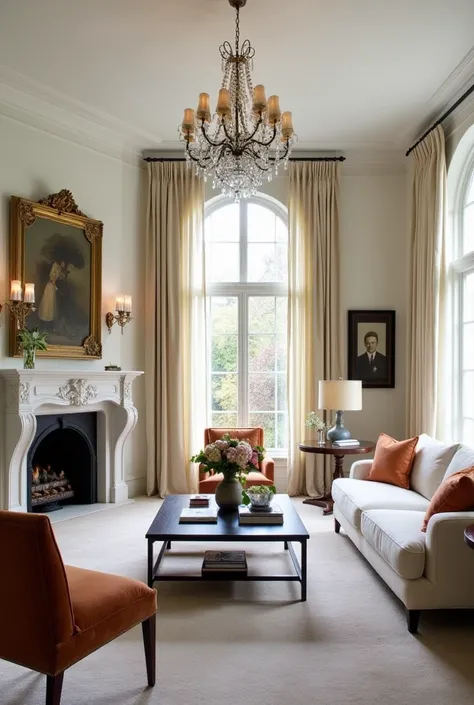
(247,289)
(462,306)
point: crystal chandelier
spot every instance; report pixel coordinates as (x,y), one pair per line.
(248,137)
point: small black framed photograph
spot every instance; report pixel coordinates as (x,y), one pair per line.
(371,348)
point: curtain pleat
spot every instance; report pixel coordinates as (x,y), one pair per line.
(314,325)
(428,286)
(175,338)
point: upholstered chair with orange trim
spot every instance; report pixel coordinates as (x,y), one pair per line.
(52,615)
(265,475)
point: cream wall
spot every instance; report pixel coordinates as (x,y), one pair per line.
(34,164)
(374,275)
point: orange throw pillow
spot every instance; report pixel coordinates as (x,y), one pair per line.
(393,461)
(455,494)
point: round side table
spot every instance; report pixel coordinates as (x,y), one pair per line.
(328,448)
(469,535)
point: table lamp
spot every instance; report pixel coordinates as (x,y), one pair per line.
(340,395)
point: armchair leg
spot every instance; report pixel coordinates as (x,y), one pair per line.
(54,685)
(337,526)
(413,620)
(149,642)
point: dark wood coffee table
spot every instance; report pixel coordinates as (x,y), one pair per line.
(166,528)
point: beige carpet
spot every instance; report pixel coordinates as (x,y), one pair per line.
(256,644)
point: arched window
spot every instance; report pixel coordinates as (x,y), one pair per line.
(247,286)
(462,305)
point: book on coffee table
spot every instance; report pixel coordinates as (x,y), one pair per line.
(224,561)
(199,500)
(201,515)
(273,515)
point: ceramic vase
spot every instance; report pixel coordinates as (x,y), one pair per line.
(229,495)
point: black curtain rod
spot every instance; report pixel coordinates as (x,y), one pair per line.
(292,159)
(443,117)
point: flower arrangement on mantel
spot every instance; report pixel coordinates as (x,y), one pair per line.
(31,341)
(232,457)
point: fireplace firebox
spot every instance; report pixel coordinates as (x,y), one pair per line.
(62,462)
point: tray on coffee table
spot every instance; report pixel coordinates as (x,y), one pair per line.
(167,529)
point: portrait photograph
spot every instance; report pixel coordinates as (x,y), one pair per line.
(59,249)
(371,348)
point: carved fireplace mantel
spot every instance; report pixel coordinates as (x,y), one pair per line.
(28,393)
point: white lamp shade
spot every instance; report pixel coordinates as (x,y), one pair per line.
(340,395)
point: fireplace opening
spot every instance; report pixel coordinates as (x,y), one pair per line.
(62,462)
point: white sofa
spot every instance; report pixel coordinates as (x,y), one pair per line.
(432,570)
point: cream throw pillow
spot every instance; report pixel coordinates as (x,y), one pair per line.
(432,459)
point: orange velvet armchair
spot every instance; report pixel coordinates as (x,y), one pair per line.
(264,476)
(52,615)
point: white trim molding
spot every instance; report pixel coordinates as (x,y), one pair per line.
(26,394)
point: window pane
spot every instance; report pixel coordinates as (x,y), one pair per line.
(261,224)
(468,229)
(224,392)
(282,315)
(281,231)
(470,193)
(281,263)
(225,264)
(223,225)
(261,314)
(468,346)
(224,353)
(224,420)
(261,392)
(267,421)
(468,432)
(224,314)
(261,353)
(281,392)
(468,394)
(468,297)
(282,431)
(261,263)
(281,353)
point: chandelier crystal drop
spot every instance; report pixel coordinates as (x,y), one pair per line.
(247,138)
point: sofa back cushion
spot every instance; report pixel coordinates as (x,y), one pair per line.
(393,461)
(431,462)
(455,494)
(463,458)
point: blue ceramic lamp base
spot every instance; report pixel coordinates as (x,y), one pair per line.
(339,432)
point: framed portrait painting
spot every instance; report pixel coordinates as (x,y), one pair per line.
(372,348)
(59,249)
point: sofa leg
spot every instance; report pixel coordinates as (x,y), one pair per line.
(413,620)
(149,642)
(337,526)
(54,685)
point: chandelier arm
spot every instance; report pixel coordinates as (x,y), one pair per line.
(250,138)
(267,144)
(250,150)
(213,144)
(282,156)
(229,137)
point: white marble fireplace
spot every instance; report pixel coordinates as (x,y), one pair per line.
(25,394)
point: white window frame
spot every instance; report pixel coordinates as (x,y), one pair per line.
(243,290)
(460,265)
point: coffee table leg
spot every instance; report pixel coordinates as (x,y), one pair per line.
(168,545)
(286,545)
(303,571)
(150,563)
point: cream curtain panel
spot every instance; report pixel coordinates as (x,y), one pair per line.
(427,286)
(314,341)
(175,371)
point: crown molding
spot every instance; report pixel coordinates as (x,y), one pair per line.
(51,111)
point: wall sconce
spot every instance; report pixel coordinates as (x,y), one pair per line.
(123,306)
(20,307)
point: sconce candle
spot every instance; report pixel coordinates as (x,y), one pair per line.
(16,293)
(119,303)
(29,293)
(127,304)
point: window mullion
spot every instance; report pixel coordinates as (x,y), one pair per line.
(243,359)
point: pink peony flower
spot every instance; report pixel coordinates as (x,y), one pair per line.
(254,459)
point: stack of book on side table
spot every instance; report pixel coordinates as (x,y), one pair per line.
(200,515)
(347,443)
(219,563)
(199,500)
(271,515)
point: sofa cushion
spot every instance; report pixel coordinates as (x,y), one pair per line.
(393,461)
(462,459)
(397,537)
(431,462)
(354,496)
(455,494)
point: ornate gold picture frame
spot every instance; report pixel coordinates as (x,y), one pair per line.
(59,249)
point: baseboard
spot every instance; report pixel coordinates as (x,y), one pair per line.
(136,487)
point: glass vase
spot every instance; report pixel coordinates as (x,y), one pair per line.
(321,436)
(29,357)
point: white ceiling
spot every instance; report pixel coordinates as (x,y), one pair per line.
(360,73)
